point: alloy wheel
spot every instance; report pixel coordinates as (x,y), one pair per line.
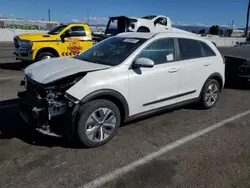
(46,57)
(211,94)
(100,124)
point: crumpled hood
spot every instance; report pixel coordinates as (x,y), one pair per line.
(49,70)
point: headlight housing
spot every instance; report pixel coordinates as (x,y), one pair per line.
(26,43)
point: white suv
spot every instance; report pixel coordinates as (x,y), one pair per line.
(118,79)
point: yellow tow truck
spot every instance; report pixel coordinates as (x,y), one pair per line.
(62,41)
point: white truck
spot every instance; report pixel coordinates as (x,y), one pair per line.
(152,23)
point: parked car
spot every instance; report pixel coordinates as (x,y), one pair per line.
(64,40)
(119,79)
(241,43)
(237,69)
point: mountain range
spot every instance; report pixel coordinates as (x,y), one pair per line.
(189,28)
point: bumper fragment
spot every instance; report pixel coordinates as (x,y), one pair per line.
(40,116)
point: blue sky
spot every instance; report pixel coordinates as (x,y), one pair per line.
(205,12)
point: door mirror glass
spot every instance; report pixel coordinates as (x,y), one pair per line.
(143,62)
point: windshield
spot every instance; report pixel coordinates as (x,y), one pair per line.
(149,17)
(57,30)
(112,51)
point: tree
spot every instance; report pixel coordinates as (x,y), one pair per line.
(214,30)
(202,31)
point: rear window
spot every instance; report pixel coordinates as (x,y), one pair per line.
(207,50)
(189,49)
(76,31)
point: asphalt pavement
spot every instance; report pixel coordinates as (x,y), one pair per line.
(186,147)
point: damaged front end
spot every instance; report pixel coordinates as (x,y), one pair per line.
(40,104)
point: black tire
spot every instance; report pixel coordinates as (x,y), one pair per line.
(202,103)
(85,111)
(41,55)
(143,30)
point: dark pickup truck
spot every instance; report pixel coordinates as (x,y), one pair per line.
(115,25)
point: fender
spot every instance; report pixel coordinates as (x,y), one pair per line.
(214,75)
(111,93)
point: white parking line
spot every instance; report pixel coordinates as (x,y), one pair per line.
(142,161)
(9,78)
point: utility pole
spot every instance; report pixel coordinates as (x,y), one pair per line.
(49,14)
(88,18)
(248,9)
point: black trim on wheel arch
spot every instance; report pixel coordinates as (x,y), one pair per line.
(108,92)
(214,75)
(171,97)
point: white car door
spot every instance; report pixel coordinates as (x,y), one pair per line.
(155,87)
(195,66)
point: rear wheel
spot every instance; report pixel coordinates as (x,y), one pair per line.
(44,55)
(143,30)
(210,94)
(98,123)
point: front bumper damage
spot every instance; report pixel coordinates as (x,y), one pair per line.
(39,112)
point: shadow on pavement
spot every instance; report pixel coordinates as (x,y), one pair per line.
(14,65)
(237,85)
(12,126)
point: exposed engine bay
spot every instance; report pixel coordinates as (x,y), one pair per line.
(42,102)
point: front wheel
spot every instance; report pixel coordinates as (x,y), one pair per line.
(44,55)
(210,94)
(98,123)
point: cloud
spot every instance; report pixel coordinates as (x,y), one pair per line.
(92,20)
(200,24)
(97,20)
(75,20)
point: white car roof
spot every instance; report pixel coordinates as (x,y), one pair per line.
(160,34)
(136,35)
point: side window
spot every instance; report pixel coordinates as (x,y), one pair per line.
(160,51)
(162,21)
(207,50)
(189,49)
(77,31)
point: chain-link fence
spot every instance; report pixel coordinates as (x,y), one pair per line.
(26,25)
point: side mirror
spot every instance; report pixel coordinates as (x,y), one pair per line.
(143,62)
(62,37)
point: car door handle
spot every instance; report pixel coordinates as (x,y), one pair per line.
(206,64)
(172,70)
